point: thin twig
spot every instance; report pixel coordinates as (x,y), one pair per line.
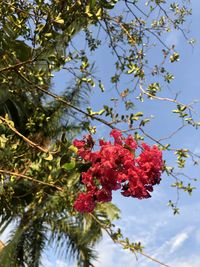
(164,98)
(172,134)
(30,179)
(31,143)
(175,25)
(153,259)
(12,67)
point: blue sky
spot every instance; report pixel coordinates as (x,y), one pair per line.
(174,240)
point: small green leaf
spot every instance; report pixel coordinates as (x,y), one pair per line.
(101,86)
(69,166)
(3,140)
(49,157)
(73,179)
(59,20)
(73,149)
(174,57)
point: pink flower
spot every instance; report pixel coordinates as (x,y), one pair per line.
(103,195)
(117,135)
(84,202)
(129,141)
(79,143)
(115,167)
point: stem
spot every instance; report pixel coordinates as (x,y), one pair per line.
(16,65)
(31,143)
(164,98)
(30,179)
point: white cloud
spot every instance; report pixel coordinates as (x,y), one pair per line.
(174,243)
(197,150)
(165,237)
(106,251)
(178,241)
(167,249)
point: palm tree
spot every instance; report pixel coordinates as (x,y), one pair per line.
(40,209)
(44,214)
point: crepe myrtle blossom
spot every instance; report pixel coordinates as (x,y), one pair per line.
(115,166)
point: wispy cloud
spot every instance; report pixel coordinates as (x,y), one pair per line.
(174,243)
(178,241)
(165,237)
(106,251)
(112,255)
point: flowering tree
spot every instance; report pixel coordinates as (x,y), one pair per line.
(54,185)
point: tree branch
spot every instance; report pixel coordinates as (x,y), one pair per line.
(31,143)
(65,102)
(30,179)
(12,67)
(164,98)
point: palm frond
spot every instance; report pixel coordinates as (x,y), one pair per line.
(25,245)
(70,242)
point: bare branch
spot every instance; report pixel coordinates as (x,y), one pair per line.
(164,98)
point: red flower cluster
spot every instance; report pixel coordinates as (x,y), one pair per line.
(115,166)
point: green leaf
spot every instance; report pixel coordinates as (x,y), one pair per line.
(110,210)
(3,140)
(73,149)
(174,57)
(49,157)
(73,179)
(70,165)
(108,4)
(59,20)
(88,11)
(101,86)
